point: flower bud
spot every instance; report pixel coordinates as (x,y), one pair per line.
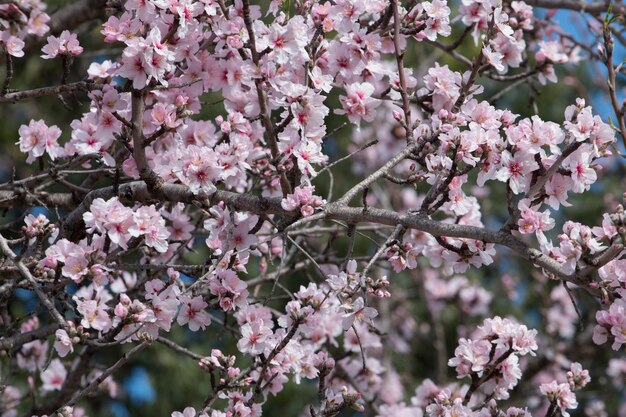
(233,372)
(120,310)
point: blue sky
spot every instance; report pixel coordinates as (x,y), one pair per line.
(574,24)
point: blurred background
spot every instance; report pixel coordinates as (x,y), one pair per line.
(159,381)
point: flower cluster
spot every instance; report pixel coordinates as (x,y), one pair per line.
(38,227)
(215,191)
(37,139)
(561,396)
(229,230)
(492,355)
(358,103)
(611,324)
(65,45)
(303,198)
(429,19)
(575,241)
(473,299)
(120,223)
(18,20)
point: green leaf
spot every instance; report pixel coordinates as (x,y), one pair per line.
(611,123)
(285,6)
(608,19)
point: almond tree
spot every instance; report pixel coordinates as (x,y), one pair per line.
(145,215)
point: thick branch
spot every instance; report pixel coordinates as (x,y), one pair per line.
(270,134)
(138,192)
(47,91)
(117,365)
(69,17)
(4,247)
(146,173)
(612,83)
(400,62)
(437,228)
(594,8)
(23,338)
(75,14)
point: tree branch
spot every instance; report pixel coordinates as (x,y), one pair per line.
(117,365)
(4,246)
(400,62)
(138,192)
(69,17)
(48,91)
(9,343)
(594,8)
(437,228)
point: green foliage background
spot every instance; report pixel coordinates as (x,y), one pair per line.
(178,381)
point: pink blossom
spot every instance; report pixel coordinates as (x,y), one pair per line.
(13,44)
(358,103)
(147,222)
(164,310)
(113,218)
(532,221)
(470,356)
(357,311)
(231,291)
(193,314)
(577,377)
(32,355)
(37,138)
(35,226)
(444,406)
(516,169)
(551,51)
(65,44)
(254,338)
(304,199)
(188,412)
(579,164)
(94,315)
(444,85)
(494,58)
(54,376)
(611,324)
(560,395)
